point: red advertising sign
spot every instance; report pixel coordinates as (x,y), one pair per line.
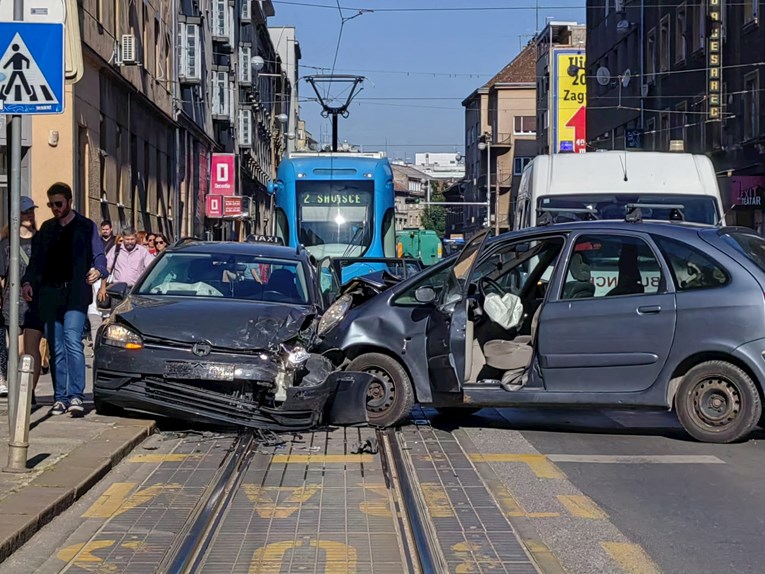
(232,206)
(214,207)
(748,190)
(223,176)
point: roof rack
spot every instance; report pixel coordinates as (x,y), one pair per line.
(184,240)
(545,218)
(634,213)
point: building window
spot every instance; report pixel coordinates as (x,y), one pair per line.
(245,128)
(246,10)
(524,125)
(220,19)
(245,64)
(664,39)
(699,25)
(751,105)
(681,44)
(751,11)
(651,134)
(220,94)
(519,164)
(679,123)
(190,63)
(665,130)
(651,56)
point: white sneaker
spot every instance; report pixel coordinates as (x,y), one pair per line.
(3,390)
(58,408)
(76,409)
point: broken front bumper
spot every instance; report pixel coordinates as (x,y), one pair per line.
(322,397)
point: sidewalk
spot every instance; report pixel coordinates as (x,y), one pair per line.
(67,456)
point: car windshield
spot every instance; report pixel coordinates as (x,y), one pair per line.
(752,246)
(228,276)
(695,208)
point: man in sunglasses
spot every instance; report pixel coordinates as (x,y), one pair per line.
(67,259)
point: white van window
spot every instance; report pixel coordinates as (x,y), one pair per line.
(695,208)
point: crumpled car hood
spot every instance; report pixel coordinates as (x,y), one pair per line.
(246,325)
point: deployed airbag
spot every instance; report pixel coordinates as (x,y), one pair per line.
(505,311)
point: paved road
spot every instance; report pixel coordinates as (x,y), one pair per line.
(631,491)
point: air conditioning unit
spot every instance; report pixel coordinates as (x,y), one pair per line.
(127,50)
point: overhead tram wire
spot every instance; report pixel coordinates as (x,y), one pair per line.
(515,8)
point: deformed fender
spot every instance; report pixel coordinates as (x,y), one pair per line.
(348,404)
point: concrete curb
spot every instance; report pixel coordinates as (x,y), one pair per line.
(32,507)
(547,562)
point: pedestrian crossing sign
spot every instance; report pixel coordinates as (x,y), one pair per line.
(31,68)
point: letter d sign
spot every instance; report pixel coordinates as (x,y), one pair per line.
(223,172)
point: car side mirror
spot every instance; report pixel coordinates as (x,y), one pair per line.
(118,290)
(425,294)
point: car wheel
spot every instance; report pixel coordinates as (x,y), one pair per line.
(107,409)
(718,402)
(390,399)
(458,412)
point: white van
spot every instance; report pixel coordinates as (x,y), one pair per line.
(601,185)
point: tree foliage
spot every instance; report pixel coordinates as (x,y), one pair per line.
(434,217)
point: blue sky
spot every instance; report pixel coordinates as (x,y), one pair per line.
(447,55)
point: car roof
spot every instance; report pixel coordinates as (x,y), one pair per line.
(242,248)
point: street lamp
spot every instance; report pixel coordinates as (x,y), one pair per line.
(486,145)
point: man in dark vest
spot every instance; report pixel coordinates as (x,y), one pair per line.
(67,259)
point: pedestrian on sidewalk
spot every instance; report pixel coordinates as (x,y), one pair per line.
(126,262)
(67,259)
(160,243)
(31,327)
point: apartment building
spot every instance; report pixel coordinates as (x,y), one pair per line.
(500,128)
(685,72)
(410,189)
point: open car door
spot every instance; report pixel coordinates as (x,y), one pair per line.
(449,322)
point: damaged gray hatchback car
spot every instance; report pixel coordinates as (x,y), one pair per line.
(220,333)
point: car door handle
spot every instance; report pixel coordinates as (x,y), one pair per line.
(649,309)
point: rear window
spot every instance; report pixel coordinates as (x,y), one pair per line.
(752,246)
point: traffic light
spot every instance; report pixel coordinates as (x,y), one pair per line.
(412,200)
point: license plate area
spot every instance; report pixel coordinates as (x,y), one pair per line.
(199,371)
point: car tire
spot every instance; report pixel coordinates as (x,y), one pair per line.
(107,409)
(718,402)
(458,412)
(390,403)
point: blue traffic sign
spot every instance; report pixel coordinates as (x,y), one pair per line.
(31,68)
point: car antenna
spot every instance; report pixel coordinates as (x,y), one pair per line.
(721,221)
(624,165)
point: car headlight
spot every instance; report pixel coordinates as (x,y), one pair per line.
(120,336)
(334,314)
(296,356)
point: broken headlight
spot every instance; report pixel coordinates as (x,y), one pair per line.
(120,336)
(296,357)
(334,314)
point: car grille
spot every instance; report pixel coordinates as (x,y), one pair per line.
(157,343)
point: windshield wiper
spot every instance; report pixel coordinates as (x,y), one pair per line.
(352,244)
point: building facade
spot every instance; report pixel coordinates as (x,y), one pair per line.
(500,120)
(284,40)
(440,165)
(690,73)
(410,187)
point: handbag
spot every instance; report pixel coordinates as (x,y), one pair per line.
(106,304)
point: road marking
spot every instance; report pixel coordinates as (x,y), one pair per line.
(630,557)
(265,499)
(511,507)
(636,459)
(582,506)
(338,558)
(539,464)
(115,501)
(83,552)
(378,503)
(436,500)
(322,458)
(161,457)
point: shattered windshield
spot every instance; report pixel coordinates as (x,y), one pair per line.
(229,276)
(695,208)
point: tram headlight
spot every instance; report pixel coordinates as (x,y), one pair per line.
(334,314)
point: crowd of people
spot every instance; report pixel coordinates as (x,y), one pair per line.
(66,265)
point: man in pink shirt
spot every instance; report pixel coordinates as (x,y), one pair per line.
(126,262)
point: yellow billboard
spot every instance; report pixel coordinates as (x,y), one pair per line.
(569,111)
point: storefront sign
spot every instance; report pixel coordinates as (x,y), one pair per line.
(223,176)
(714,61)
(318,198)
(214,206)
(748,191)
(569,88)
(232,206)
